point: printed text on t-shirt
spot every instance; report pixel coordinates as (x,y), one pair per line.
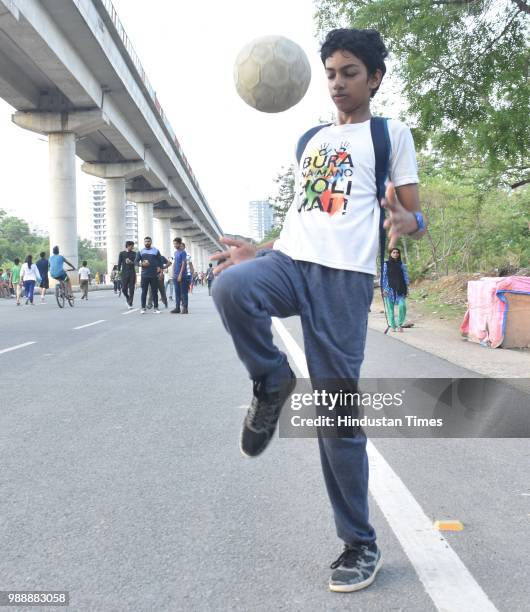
(325,180)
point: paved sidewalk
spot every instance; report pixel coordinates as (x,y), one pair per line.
(441,337)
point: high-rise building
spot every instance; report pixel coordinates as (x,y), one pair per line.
(131,222)
(260,218)
(98,199)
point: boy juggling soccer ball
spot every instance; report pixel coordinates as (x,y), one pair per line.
(330,240)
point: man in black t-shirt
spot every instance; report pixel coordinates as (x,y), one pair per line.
(128,272)
(43,265)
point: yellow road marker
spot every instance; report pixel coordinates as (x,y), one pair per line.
(448,525)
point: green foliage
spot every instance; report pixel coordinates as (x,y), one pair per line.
(17,240)
(470,231)
(283,199)
(96,258)
(464,69)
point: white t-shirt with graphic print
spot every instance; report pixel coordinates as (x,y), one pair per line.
(334,218)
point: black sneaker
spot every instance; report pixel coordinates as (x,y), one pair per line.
(175,311)
(356,568)
(262,416)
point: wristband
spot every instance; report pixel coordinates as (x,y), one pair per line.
(420,221)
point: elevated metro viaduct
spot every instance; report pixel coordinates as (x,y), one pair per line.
(69,70)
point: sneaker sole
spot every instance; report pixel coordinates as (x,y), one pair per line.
(293,385)
(350,588)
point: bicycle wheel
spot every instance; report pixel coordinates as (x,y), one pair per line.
(59,296)
(70,299)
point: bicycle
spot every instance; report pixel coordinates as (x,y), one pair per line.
(60,293)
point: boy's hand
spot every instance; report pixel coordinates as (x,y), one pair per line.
(145,263)
(400,221)
(240,251)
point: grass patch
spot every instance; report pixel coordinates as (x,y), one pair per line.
(435,303)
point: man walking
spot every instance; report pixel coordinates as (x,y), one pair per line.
(209,278)
(180,279)
(84,277)
(127,269)
(43,265)
(161,285)
(150,261)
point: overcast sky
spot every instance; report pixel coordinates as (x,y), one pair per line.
(187,50)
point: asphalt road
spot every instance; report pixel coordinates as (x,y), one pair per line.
(121,479)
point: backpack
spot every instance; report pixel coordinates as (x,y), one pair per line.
(381,144)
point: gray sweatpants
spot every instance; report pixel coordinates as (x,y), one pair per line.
(333,306)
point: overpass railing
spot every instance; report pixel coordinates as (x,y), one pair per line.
(113,15)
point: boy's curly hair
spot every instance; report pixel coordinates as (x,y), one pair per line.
(367,45)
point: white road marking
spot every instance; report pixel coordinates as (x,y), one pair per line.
(90,324)
(129,311)
(446,579)
(14,348)
(100,294)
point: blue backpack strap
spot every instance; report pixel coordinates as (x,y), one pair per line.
(305,138)
(381,143)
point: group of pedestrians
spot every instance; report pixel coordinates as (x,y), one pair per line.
(158,276)
(21,280)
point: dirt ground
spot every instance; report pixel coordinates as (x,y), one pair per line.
(436,309)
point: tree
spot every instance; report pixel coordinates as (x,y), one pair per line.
(17,240)
(95,258)
(464,65)
(470,231)
(282,200)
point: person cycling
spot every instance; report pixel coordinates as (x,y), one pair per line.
(57,269)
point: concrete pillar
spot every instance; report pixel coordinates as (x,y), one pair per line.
(115,212)
(190,247)
(62,129)
(171,248)
(145,221)
(145,201)
(205,261)
(115,175)
(161,236)
(197,258)
(195,255)
(63,210)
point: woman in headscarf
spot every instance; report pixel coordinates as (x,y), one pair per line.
(395,289)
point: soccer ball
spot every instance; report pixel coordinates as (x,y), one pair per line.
(272,73)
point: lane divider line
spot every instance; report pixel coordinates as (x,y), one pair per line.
(129,311)
(18,346)
(446,579)
(90,324)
